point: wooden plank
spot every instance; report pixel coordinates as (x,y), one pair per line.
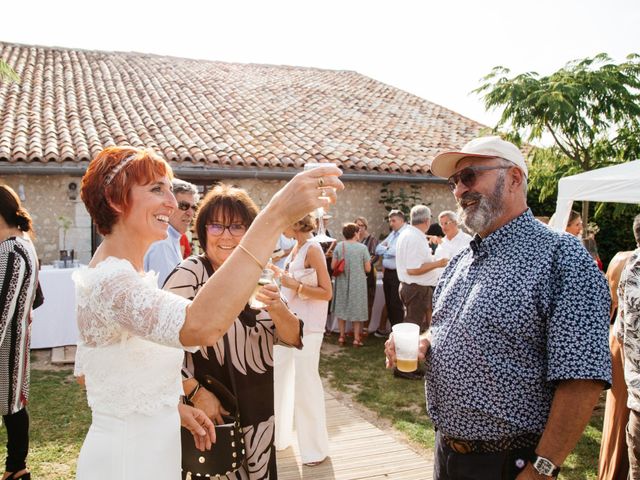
(358,451)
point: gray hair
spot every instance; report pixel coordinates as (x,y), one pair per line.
(451,215)
(507,163)
(180,186)
(636,229)
(420,214)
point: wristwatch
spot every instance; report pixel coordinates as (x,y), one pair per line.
(544,466)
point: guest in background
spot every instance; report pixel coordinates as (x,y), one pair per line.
(350,298)
(225,216)
(574,225)
(390,282)
(614,460)
(454,239)
(371,243)
(165,255)
(282,251)
(589,242)
(298,388)
(18,283)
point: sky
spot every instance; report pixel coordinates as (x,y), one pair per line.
(436,50)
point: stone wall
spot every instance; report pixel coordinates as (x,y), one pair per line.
(47,198)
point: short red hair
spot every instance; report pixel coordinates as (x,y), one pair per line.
(100,195)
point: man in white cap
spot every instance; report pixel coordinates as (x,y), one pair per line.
(517,353)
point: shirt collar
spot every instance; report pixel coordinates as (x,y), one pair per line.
(173,233)
(502,238)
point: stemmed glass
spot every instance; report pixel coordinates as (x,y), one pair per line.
(321,236)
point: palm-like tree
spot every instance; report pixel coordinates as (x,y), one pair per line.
(7,74)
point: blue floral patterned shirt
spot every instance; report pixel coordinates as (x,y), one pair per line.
(514,313)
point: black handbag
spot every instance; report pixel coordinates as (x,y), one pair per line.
(228,453)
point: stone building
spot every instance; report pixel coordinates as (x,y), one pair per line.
(251,125)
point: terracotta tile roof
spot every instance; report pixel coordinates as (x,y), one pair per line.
(72,103)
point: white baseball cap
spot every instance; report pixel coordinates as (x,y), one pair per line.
(444,165)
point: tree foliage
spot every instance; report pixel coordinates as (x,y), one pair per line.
(7,74)
(590,108)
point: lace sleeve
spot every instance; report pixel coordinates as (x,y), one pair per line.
(137,305)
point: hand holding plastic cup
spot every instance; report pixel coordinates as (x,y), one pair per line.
(406,338)
(265,278)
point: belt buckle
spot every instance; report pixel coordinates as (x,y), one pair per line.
(460,446)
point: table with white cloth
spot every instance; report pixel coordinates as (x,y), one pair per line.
(376,311)
(54,323)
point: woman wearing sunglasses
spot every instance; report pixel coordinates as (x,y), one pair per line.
(223,219)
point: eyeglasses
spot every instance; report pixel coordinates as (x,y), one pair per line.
(184,206)
(360,226)
(235,229)
(468,176)
(444,224)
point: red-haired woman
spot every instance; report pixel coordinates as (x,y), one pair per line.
(18,282)
(132,334)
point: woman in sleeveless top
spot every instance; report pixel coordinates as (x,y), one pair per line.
(298,387)
(18,283)
(132,335)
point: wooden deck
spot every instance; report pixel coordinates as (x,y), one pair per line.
(358,450)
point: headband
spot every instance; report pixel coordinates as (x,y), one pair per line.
(118,167)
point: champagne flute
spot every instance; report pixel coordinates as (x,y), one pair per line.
(321,236)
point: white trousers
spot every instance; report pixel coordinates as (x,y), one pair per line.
(137,446)
(298,394)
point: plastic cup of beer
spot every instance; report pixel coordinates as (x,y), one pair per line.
(265,278)
(406,337)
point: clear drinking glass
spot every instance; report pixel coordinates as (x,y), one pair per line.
(265,279)
(321,236)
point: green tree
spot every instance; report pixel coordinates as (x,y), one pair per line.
(7,74)
(590,108)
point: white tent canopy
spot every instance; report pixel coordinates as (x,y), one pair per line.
(618,183)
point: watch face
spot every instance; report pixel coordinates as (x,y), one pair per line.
(544,466)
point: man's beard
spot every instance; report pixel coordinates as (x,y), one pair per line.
(481,216)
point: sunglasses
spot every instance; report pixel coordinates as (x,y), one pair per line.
(184,206)
(469,176)
(235,229)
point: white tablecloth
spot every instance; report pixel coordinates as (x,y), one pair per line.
(54,323)
(376,311)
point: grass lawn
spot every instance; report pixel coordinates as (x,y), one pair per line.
(361,374)
(60,416)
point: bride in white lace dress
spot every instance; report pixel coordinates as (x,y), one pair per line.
(132,334)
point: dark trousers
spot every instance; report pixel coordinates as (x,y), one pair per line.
(450,465)
(417,304)
(17,425)
(391,285)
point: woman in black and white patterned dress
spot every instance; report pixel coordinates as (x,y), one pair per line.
(224,217)
(18,283)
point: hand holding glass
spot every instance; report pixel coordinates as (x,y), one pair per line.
(265,278)
(406,337)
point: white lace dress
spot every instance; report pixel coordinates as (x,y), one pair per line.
(130,355)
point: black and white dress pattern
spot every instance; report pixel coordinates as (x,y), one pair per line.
(628,327)
(18,283)
(251,339)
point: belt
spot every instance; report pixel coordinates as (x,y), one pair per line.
(460,445)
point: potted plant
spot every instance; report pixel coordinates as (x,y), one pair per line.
(65,224)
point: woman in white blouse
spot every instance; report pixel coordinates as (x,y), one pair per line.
(132,334)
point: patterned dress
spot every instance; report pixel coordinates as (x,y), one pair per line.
(18,283)
(251,339)
(350,296)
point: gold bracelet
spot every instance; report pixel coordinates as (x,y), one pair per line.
(244,249)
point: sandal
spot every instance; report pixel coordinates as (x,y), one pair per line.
(314,464)
(358,343)
(341,341)
(365,332)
